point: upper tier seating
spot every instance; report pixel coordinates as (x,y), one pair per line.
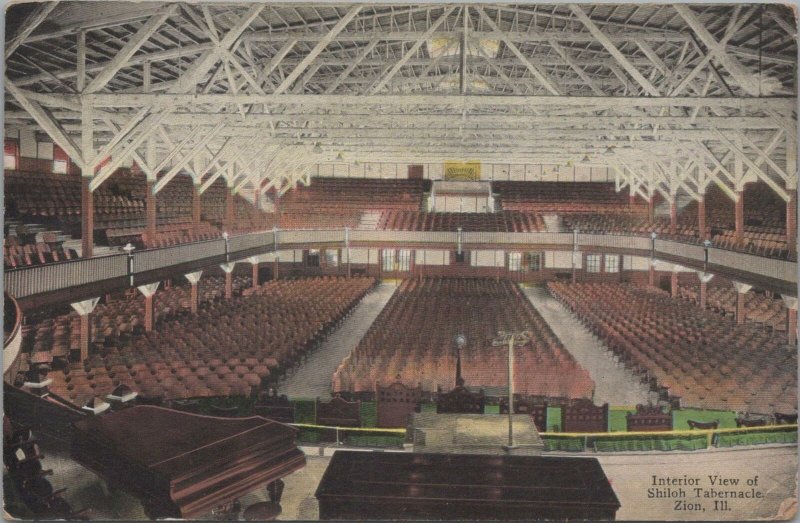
(759,308)
(707,361)
(505,221)
(119,207)
(228,348)
(339,202)
(17,254)
(411,341)
(564,197)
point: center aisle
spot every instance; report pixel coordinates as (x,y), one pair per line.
(313,378)
(614,384)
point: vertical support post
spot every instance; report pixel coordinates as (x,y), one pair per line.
(741,290)
(194,280)
(701,218)
(347,248)
(227,268)
(150,207)
(574,255)
(651,209)
(87,217)
(196,206)
(673,217)
(148,291)
(651,274)
(703,293)
(739,235)
(380,264)
(255,275)
(791,318)
(511,392)
(230,216)
(84,309)
(791,221)
(674,282)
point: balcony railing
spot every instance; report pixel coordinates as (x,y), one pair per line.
(30,281)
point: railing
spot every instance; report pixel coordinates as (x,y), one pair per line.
(683,250)
(153,259)
(13,341)
(769,267)
(30,281)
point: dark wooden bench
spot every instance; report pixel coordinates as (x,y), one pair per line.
(395,404)
(460,401)
(339,412)
(537,410)
(648,418)
(584,416)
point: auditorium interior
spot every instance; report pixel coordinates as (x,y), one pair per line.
(419,261)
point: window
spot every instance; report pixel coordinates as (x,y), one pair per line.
(404,260)
(534,261)
(60,160)
(592,263)
(388,260)
(10,154)
(332,258)
(312,260)
(612,262)
(514,261)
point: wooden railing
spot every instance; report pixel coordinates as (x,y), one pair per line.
(31,281)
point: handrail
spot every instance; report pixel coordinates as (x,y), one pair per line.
(17,320)
(29,281)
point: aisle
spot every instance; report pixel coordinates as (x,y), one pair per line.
(313,378)
(613,383)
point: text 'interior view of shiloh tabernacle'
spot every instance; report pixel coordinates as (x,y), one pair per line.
(368,261)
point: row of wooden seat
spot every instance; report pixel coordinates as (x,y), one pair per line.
(706,360)
(412,341)
(562,197)
(504,221)
(760,308)
(228,348)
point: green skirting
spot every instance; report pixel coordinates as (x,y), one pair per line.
(369,414)
(756,438)
(305,411)
(563,444)
(646,443)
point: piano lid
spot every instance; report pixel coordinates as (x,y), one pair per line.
(184,464)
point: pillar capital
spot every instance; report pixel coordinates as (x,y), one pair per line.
(255,260)
(741,288)
(790,302)
(149,290)
(86,306)
(704,277)
(193,277)
(227,268)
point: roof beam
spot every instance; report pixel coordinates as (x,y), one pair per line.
(613,51)
(537,73)
(321,45)
(27,27)
(129,49)
(745,80)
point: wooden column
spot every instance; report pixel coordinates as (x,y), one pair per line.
(196,207)
(674,284)
(651,275)
(791,326)
(673,217)
(230,215)
(150,207)
(631,200)
(87,218)
(701,218)
(228,285)
(85,336)
(739,236)
(651,209)
(791,221)
(255,275)
(194,299)
(741,290)
(148,313)
(703,294)
(275,268)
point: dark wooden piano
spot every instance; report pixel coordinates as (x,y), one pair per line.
(181,464)
(386,485)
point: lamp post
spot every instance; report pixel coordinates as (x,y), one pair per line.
(461,342)
(225,237)
(502,338)
(129,251)
(706,245)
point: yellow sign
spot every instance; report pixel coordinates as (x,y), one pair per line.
(470,171)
